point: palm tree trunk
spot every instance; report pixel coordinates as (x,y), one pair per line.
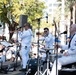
(71,15)
(75,14)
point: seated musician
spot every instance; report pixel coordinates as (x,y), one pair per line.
(48,41)
(2,49)
(14,49)
(69,56)
(48,38)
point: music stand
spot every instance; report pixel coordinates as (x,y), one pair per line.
(47,70)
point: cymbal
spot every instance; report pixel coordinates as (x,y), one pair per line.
(48,48)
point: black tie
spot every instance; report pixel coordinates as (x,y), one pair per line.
(70,41)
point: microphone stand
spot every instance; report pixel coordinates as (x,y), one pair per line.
(38,60)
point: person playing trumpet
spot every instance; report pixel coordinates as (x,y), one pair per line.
(26,37)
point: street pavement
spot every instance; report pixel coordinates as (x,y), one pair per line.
(17,72)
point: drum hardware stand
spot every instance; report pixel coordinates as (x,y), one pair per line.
(27,72)
(56,43)
(47,70)
(39,71)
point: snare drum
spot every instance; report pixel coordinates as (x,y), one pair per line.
(32,65)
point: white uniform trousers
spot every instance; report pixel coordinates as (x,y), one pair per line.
(25,55)
(64,60)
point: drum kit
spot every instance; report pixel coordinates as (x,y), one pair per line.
(44,57)
(46,60)
(47,57)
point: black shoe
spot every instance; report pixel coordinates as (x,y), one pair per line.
(23,70)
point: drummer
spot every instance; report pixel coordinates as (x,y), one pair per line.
(49,39)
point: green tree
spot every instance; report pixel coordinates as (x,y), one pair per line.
(69,7)
(10,10)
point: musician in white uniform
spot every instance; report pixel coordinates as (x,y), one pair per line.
(48,38)
(69,56)
(26,36)
(48,41)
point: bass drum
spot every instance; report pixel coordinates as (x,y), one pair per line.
(32,66)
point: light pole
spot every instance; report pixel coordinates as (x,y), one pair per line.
(62,24)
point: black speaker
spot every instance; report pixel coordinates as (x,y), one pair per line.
(23,20)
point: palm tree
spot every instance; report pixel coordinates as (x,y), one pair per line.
(70,4)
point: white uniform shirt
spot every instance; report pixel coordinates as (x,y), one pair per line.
(26,37)
(64,47)
(72,48)
(49,40)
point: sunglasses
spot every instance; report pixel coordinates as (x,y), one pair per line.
(45,31)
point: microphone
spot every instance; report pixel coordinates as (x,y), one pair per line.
(65,32)
(47,18)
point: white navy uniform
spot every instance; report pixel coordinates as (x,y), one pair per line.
(49,43)
(3,51)
(64,60)
(26,37)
